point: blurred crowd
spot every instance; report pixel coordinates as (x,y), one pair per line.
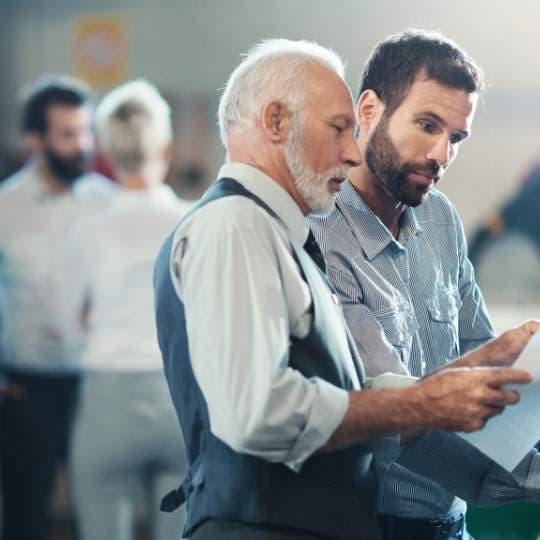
(82,381)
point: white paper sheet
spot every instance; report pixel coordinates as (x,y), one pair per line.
(507,438)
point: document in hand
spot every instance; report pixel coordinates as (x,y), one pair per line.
(508,437)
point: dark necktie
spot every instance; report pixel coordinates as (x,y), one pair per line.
(314,251)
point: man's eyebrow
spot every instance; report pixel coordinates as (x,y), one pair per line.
(347,118)
(435,117)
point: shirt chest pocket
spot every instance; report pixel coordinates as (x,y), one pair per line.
(443,307)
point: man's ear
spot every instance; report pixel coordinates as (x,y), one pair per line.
(369,109)
(276,121)
(33,142)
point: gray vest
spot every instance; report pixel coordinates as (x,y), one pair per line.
(334,494)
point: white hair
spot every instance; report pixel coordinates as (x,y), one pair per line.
(274,69)
(133,123)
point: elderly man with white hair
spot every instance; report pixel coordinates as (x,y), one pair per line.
(126,432)
(278,423)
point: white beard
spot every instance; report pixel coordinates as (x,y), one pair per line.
(312,186)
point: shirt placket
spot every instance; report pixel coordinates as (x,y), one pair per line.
(402,263)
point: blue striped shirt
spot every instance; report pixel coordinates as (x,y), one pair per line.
(412,305)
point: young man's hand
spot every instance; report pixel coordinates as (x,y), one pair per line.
(502,351)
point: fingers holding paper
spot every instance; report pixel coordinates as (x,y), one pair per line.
(464,399)
(504,350)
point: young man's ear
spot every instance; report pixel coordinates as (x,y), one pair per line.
(276,121)
(369,110)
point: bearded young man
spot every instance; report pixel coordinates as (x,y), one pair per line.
(266,383)
(396,252)
(37,206)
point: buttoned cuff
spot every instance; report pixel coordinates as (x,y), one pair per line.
(327,412)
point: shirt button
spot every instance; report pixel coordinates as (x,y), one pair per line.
(423,364)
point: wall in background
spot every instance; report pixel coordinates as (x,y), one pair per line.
(188,47)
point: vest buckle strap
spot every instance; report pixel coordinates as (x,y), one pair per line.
(175,498)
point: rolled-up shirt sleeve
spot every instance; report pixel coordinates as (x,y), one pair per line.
(465,471)
(523,483)
(244,300)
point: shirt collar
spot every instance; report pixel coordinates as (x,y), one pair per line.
(39,188)
(371,232)
(267,189)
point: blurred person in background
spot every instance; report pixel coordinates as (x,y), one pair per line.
(126,432)
(505,249)
(38,205)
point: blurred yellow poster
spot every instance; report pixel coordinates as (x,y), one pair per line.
(100,50)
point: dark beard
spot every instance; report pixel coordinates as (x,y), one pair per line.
(391,173)
(66,170)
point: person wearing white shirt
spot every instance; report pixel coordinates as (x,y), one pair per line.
(270,392)
(126,432)
(38,205)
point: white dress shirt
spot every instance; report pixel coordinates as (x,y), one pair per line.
(33,225)
(107,266)
(244,299)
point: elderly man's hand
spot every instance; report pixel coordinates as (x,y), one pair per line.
(502,351)
(464,399)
